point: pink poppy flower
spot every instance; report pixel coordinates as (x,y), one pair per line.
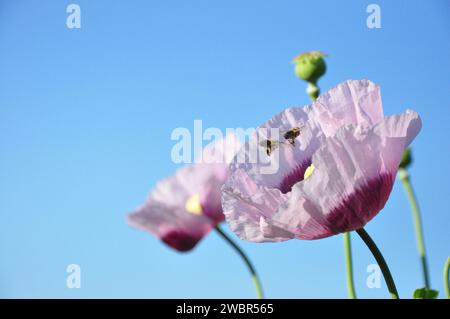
(184,207)
(332,177)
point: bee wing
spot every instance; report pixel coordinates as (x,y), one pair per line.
(271,143)
(291,140)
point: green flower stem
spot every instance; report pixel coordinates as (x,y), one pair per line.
(404,177)
(313,91)
(251,268)
(446,275)
(381,262)
(349,266)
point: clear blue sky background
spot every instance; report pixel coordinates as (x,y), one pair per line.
(86,117)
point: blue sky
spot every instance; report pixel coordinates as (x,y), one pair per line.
(86,117)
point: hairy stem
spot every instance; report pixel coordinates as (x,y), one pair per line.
(381,262)
(446,279)
(251,268)
(404,176)
(349,266)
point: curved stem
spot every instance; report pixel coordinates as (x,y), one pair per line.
(446,275)
(251,268)
(381,262)
(349,266)
(404,176)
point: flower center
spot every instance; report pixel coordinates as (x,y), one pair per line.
(193,205)
(298,174)
(309,171)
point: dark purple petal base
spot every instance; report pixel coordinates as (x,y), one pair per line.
(362,205)
(297,175)
(180,240)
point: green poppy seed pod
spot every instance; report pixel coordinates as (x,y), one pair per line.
(310,66)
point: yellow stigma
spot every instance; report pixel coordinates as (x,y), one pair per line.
(309,171)
(193,205)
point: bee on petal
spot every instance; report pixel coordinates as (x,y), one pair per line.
(291,135)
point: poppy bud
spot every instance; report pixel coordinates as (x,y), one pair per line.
(407,159)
